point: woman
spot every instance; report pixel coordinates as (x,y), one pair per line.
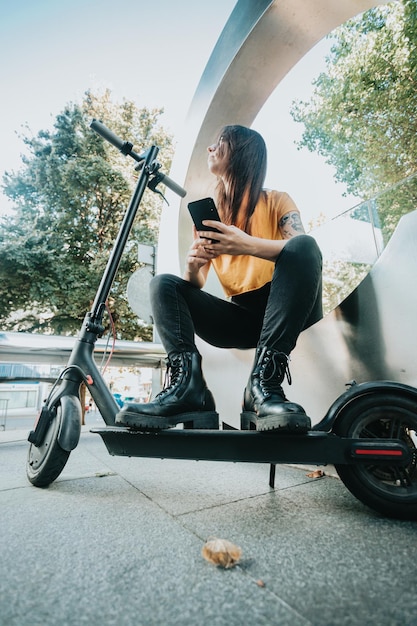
(270,270)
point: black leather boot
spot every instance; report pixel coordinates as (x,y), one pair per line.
(185,399)
(265,406)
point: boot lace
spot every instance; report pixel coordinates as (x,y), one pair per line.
(274,368)
(173,374)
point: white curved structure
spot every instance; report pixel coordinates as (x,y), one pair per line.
(259,45)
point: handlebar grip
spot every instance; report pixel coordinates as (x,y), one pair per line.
(107,134)
(126,148)
(168,182)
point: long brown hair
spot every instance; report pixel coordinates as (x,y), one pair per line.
(245,174)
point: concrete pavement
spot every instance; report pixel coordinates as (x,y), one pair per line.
(118,540)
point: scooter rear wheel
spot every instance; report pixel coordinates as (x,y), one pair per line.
(390,489)
(46,462)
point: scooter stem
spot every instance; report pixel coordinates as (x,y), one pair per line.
(96,314)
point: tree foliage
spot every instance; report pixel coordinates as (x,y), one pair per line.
(339,280)
(70,197)
(362,115)
(362,120)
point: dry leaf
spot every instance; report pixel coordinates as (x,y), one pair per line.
(221,552)
(316,474)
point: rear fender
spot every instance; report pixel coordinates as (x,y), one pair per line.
(358,391)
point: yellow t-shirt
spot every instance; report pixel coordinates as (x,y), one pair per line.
(242,273)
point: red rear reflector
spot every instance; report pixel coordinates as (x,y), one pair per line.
(375,452)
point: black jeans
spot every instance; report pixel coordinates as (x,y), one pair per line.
(272,316)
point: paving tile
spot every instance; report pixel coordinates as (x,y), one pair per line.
(118,541)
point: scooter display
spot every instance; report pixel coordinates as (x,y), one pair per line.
(369,433)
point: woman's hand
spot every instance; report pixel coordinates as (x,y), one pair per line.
(198,255)
(234,241)
(197,261)
(229,239)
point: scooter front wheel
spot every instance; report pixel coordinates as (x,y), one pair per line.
(46,462)
(390,489)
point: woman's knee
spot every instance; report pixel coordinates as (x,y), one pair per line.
(304,245)
(161,282)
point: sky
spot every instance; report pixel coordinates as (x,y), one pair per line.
(153,53)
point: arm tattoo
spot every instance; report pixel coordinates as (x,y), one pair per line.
(291,225)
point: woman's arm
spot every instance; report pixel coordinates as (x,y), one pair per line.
(233,240)
(291,225)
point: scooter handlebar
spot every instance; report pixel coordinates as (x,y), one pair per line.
(171,184)
(107,134)
(126,148)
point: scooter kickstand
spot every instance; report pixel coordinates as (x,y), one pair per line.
(272,469)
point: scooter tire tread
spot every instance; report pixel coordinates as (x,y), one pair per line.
(46,462)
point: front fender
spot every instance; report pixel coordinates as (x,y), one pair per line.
(70,429)
(358,391)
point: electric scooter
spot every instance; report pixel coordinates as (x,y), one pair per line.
(369,433)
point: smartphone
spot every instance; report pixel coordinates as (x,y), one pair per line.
(201,210)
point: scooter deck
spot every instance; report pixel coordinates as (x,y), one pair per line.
(316,447)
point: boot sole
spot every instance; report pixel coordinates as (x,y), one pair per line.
(291,423)
(205,420)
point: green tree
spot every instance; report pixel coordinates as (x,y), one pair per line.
(362,115)
(339,280)
(70,197)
